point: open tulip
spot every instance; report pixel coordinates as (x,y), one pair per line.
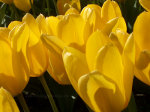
(64,5)
(14,73)
(142,39)
(7,102)
(25,37)
(23,5)
(103,75)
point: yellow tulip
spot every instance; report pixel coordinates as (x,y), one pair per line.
(13,69)
(64,5)
(74,30)
(25,37)
(64,30)
(102,76)
(145,4)
(142,39)
(7,102)
(98,17)
(7,1)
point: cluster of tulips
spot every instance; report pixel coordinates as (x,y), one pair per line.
(91,50)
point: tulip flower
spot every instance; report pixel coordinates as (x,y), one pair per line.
(81,31)
(98,16)
(64,5)
(13,68)
(102,76)
(25,37)
(7,102)
(142,39)
(23,5)
(74,30)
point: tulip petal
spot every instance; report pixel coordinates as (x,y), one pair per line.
(34,32)
(122,36)
(145,4)
(72,11)
(73,29)
(52,23)
(94,43)
(110,10)
(7,102)
(101,92)
(141,31)
(53,42)
(38,59)
(12,78)
(109,63)
(121,24)
(56,70)
(75,65)
(19,40)
(13,24)
(143,75)
(42,24)
(109,26)
(128,63)
(92,14)
(4,33)
(115,41)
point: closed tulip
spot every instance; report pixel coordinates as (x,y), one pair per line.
(7,102)
(142,39)
(103,75)
(25,37)
(14,73)
(23,5)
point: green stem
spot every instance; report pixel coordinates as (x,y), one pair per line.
(47,2)
(32,8)
(55,7)
(49,94)
(23,102)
